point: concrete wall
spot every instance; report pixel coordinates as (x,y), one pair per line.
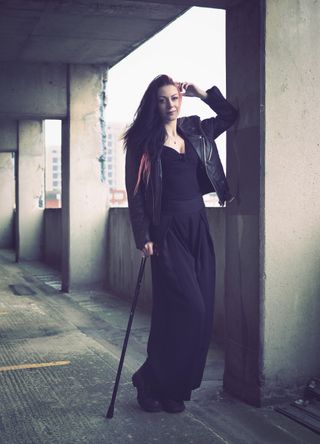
(84,197)
(217,224)
(242,363)
(30,190)
(292,205)
(8,135)
(33,90)
(123,261)
(52,248)
(7,200)
(123,258)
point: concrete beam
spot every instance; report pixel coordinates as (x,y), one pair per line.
(32,90)
(217,4)
(84,197)
(79,31)
(30,190)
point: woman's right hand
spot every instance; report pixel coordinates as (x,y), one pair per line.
(148,249)
(192,90)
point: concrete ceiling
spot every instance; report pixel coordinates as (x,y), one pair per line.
(84,31)
(78,31)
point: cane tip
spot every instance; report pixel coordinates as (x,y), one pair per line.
(109,414)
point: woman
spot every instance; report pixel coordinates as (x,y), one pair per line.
(170,163)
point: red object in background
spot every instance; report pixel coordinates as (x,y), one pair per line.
(53,199)
(118,197)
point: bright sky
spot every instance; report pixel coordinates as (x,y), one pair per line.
(192,48)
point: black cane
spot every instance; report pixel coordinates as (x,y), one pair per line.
(125,342)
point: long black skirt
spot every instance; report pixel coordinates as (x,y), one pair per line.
(183,280)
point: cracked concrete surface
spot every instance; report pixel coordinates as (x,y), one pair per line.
(66,403)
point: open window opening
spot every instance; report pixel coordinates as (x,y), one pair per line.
(53,179)
(198,57)
(191,49)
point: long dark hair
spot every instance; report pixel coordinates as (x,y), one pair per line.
(146,133)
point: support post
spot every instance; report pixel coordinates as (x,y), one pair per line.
(30,190)
(84,192)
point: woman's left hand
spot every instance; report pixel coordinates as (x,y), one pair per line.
(192,90)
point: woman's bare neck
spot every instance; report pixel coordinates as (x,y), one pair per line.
(171,128)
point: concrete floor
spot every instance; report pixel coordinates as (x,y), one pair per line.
(77,338)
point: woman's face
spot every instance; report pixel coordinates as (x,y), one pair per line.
(169,102)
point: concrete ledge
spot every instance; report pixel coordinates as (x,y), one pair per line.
(123,261)
(53,237)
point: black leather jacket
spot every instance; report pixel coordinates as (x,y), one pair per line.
(145,205)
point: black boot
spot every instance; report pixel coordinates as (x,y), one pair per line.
(144,396)
(172,406)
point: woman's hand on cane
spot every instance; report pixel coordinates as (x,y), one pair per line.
(148,249)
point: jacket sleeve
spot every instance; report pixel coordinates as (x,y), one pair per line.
(226,114)
(136,202)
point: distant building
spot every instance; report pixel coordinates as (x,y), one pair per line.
(115,164)
(53,176)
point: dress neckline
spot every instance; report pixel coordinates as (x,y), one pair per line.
(170,148)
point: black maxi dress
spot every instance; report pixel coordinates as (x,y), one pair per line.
(183,280)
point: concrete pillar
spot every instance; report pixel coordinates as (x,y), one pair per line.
(84,193)
(30,190)
(242,281)
(8,135)
(8,146)
(273,234)
(7,200)
(291,291)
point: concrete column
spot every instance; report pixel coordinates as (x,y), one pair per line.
(291,292)
(273,234)
(242,299)
(30,190)
(7,200)
(8,145)
(84,194)
(8,135)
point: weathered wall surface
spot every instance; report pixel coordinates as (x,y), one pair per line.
(242,369)
(123,261)
(7,200)
(8,135)
(33,90)
(292,204)
(123,258)
(84,197)
(52,248)
(30,190)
